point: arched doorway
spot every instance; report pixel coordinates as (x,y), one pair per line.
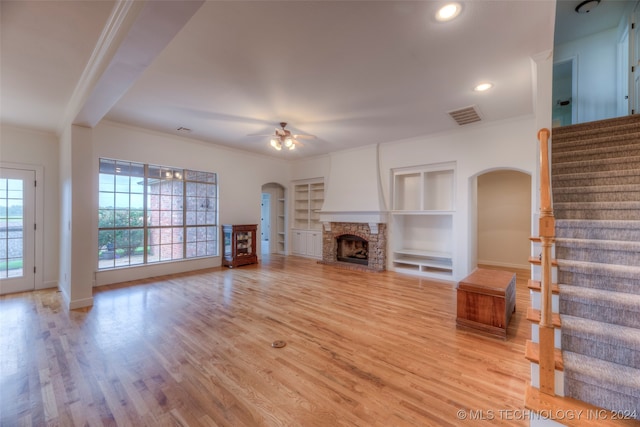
(503,214)
(273,219)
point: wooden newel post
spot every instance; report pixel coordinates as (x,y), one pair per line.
(546,227)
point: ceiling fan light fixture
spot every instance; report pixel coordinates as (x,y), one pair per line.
(292,146)
(276,144)
(587,6)
(288,142)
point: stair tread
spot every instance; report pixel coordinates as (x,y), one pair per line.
(597,205)
(532,354)
(575,413)
(535,285)
(603,373)
(610,270)
(533,315)
(599,174)
(600,223)
(609,188)
(619,245)
(601,295)
(605,332)
(618,162)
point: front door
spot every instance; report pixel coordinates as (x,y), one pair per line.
(17,230)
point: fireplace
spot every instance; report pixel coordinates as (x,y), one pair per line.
(355,246)
(353,249)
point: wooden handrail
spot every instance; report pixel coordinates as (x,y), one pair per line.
(547,236)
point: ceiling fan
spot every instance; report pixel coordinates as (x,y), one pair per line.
(284,138)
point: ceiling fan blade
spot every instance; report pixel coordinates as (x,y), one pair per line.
(260,134)
(302,136)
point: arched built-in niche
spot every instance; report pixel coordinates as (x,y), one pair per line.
(273,220)
(501,220)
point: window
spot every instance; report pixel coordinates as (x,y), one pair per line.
(150,213)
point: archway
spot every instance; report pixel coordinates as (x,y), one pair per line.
(503,218)
(273,219)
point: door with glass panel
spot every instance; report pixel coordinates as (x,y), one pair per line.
(17,230)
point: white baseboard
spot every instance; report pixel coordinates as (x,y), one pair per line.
(81,303)
(75,304)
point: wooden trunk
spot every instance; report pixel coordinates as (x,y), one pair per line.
(486,301)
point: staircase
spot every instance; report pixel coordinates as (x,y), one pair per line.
(595,172)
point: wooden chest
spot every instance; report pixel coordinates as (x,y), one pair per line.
(486,300)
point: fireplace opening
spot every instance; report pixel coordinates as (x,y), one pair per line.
(353,249)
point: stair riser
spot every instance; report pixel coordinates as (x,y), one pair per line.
(612,352)
(586,196)
(564,181)
(593,143)
(604,165)
(600,396)
(620,126)
(595,154)
(587,280)
(592,310)
(598,255)
(621,234)
(604,215)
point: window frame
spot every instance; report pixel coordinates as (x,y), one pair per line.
(162,222)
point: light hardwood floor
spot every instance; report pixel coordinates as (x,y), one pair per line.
(363,349)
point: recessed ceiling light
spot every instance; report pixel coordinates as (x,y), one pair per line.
(448,12)
(482,87)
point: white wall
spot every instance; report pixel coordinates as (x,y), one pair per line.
(504,218)
(39,149)
(240,177)
(353,182)
(597,74)
(315,167)
(476,149)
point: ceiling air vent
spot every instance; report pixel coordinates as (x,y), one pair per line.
(466,115)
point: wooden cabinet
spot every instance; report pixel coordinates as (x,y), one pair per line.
(486,299)
(306,236)
(422,220)
(239,245)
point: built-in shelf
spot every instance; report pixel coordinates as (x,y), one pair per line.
(306,236)
(422,220)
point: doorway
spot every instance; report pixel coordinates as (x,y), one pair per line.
(265,223)
(504,218)
(17,233)
(273,219)
(565,88)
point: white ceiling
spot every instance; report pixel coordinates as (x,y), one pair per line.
(350,72)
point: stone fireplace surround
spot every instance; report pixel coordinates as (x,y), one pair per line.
(374,233)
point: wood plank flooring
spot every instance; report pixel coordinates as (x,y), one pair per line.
(363,349)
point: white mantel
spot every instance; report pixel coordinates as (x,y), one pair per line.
(370,217)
